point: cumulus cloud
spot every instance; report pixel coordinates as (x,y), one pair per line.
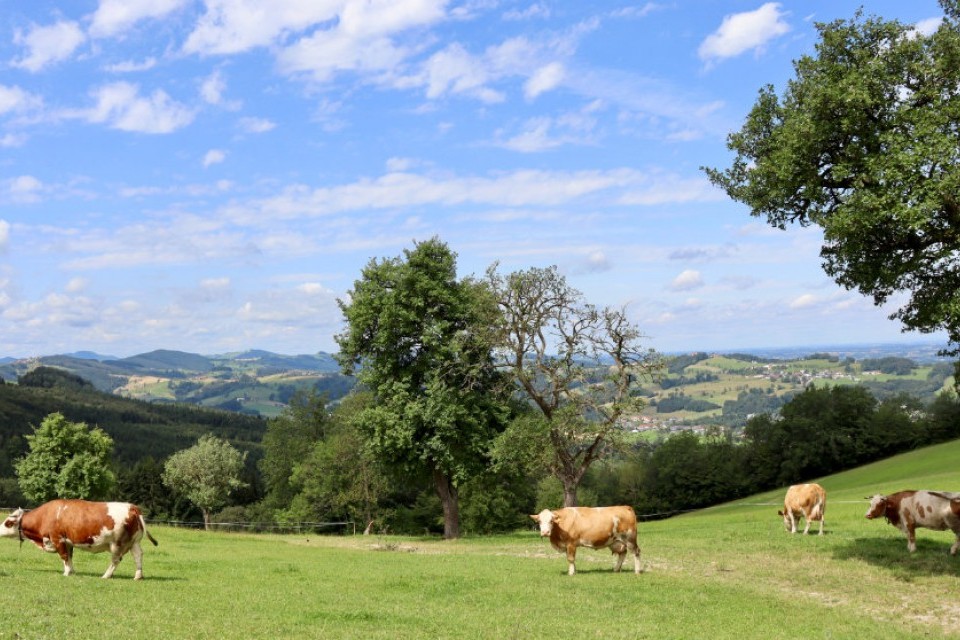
(544,79)
(256,125)
(47,45)
(14,99)
(688,280)
(120,106)
(214,156)
(740,32)
(115,16)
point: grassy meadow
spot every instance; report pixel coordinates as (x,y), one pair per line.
(726,572)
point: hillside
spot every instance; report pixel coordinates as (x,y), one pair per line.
(711,389)
(139,429)
(254,382)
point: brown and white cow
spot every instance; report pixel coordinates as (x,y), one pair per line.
(908,510)
(807,501)
(593,527)
(63,525)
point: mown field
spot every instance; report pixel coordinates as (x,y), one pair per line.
(726,572)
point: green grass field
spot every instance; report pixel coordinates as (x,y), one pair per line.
(726,572)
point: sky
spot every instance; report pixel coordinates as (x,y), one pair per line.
(211,176)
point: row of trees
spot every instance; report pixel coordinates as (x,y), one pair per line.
(454,365)
(70,460)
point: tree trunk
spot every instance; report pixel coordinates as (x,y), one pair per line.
(206,519)
(569,494)
(450,500)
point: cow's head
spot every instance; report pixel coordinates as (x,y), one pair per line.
(11,526)
(786,519)
(545,519)
(877,508)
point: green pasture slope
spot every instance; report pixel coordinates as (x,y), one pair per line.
(726,572)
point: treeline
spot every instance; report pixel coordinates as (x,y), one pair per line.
(142,432)
(315,468)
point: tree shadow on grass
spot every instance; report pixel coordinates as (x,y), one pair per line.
(932,557)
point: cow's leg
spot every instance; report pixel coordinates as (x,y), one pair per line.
(65,551)
(956,545)
(806,518)
(911,538)
(620,549)
(793,521)
(821,525)
(116,555)
(571,558)
(137,552)
(636,555)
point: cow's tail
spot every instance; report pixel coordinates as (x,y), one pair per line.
(143,523)
(819,508)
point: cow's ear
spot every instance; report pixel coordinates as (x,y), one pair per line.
(535,518)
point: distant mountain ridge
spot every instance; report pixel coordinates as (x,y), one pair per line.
(253,381)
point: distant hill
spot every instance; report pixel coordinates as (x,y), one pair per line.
(255,381)
(139,429)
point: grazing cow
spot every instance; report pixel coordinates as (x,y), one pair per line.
(808,501)
(907,510)
(593,527)
(62,525)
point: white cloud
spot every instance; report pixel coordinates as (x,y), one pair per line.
(234,26)
(4,235)
(544,79)
(805,301)
(115,16)
(740,32)
(120,106)
(214,156)
(24,189)
(130,66)
(212,88)
(362,39)
(256,125)
(15,99)
(687,281)
(536,10)
(929,26)
(76,285)
(47,45)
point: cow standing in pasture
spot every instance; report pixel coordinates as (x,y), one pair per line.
(593,527)
(62,525)
(908,510)
(808,501)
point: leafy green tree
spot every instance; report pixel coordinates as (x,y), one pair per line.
(578,366)
(206,473)
(339,478)
(66,460)
(420,339)
(289,439)
(865,144)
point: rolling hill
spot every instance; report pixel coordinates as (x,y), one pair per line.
(254,382)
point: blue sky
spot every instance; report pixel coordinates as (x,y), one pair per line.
(212,175)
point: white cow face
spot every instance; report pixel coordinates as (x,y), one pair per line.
(878,507)
(11,526)
(545,519)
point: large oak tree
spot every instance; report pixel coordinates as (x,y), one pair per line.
(865,143)
(419,339)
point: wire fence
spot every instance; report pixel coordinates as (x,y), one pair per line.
(342,528)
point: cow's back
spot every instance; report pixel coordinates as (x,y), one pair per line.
(593,526)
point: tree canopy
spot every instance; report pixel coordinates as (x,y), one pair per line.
(420,339)
(206,473)
(575,364)
(66,460)
(865,143)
